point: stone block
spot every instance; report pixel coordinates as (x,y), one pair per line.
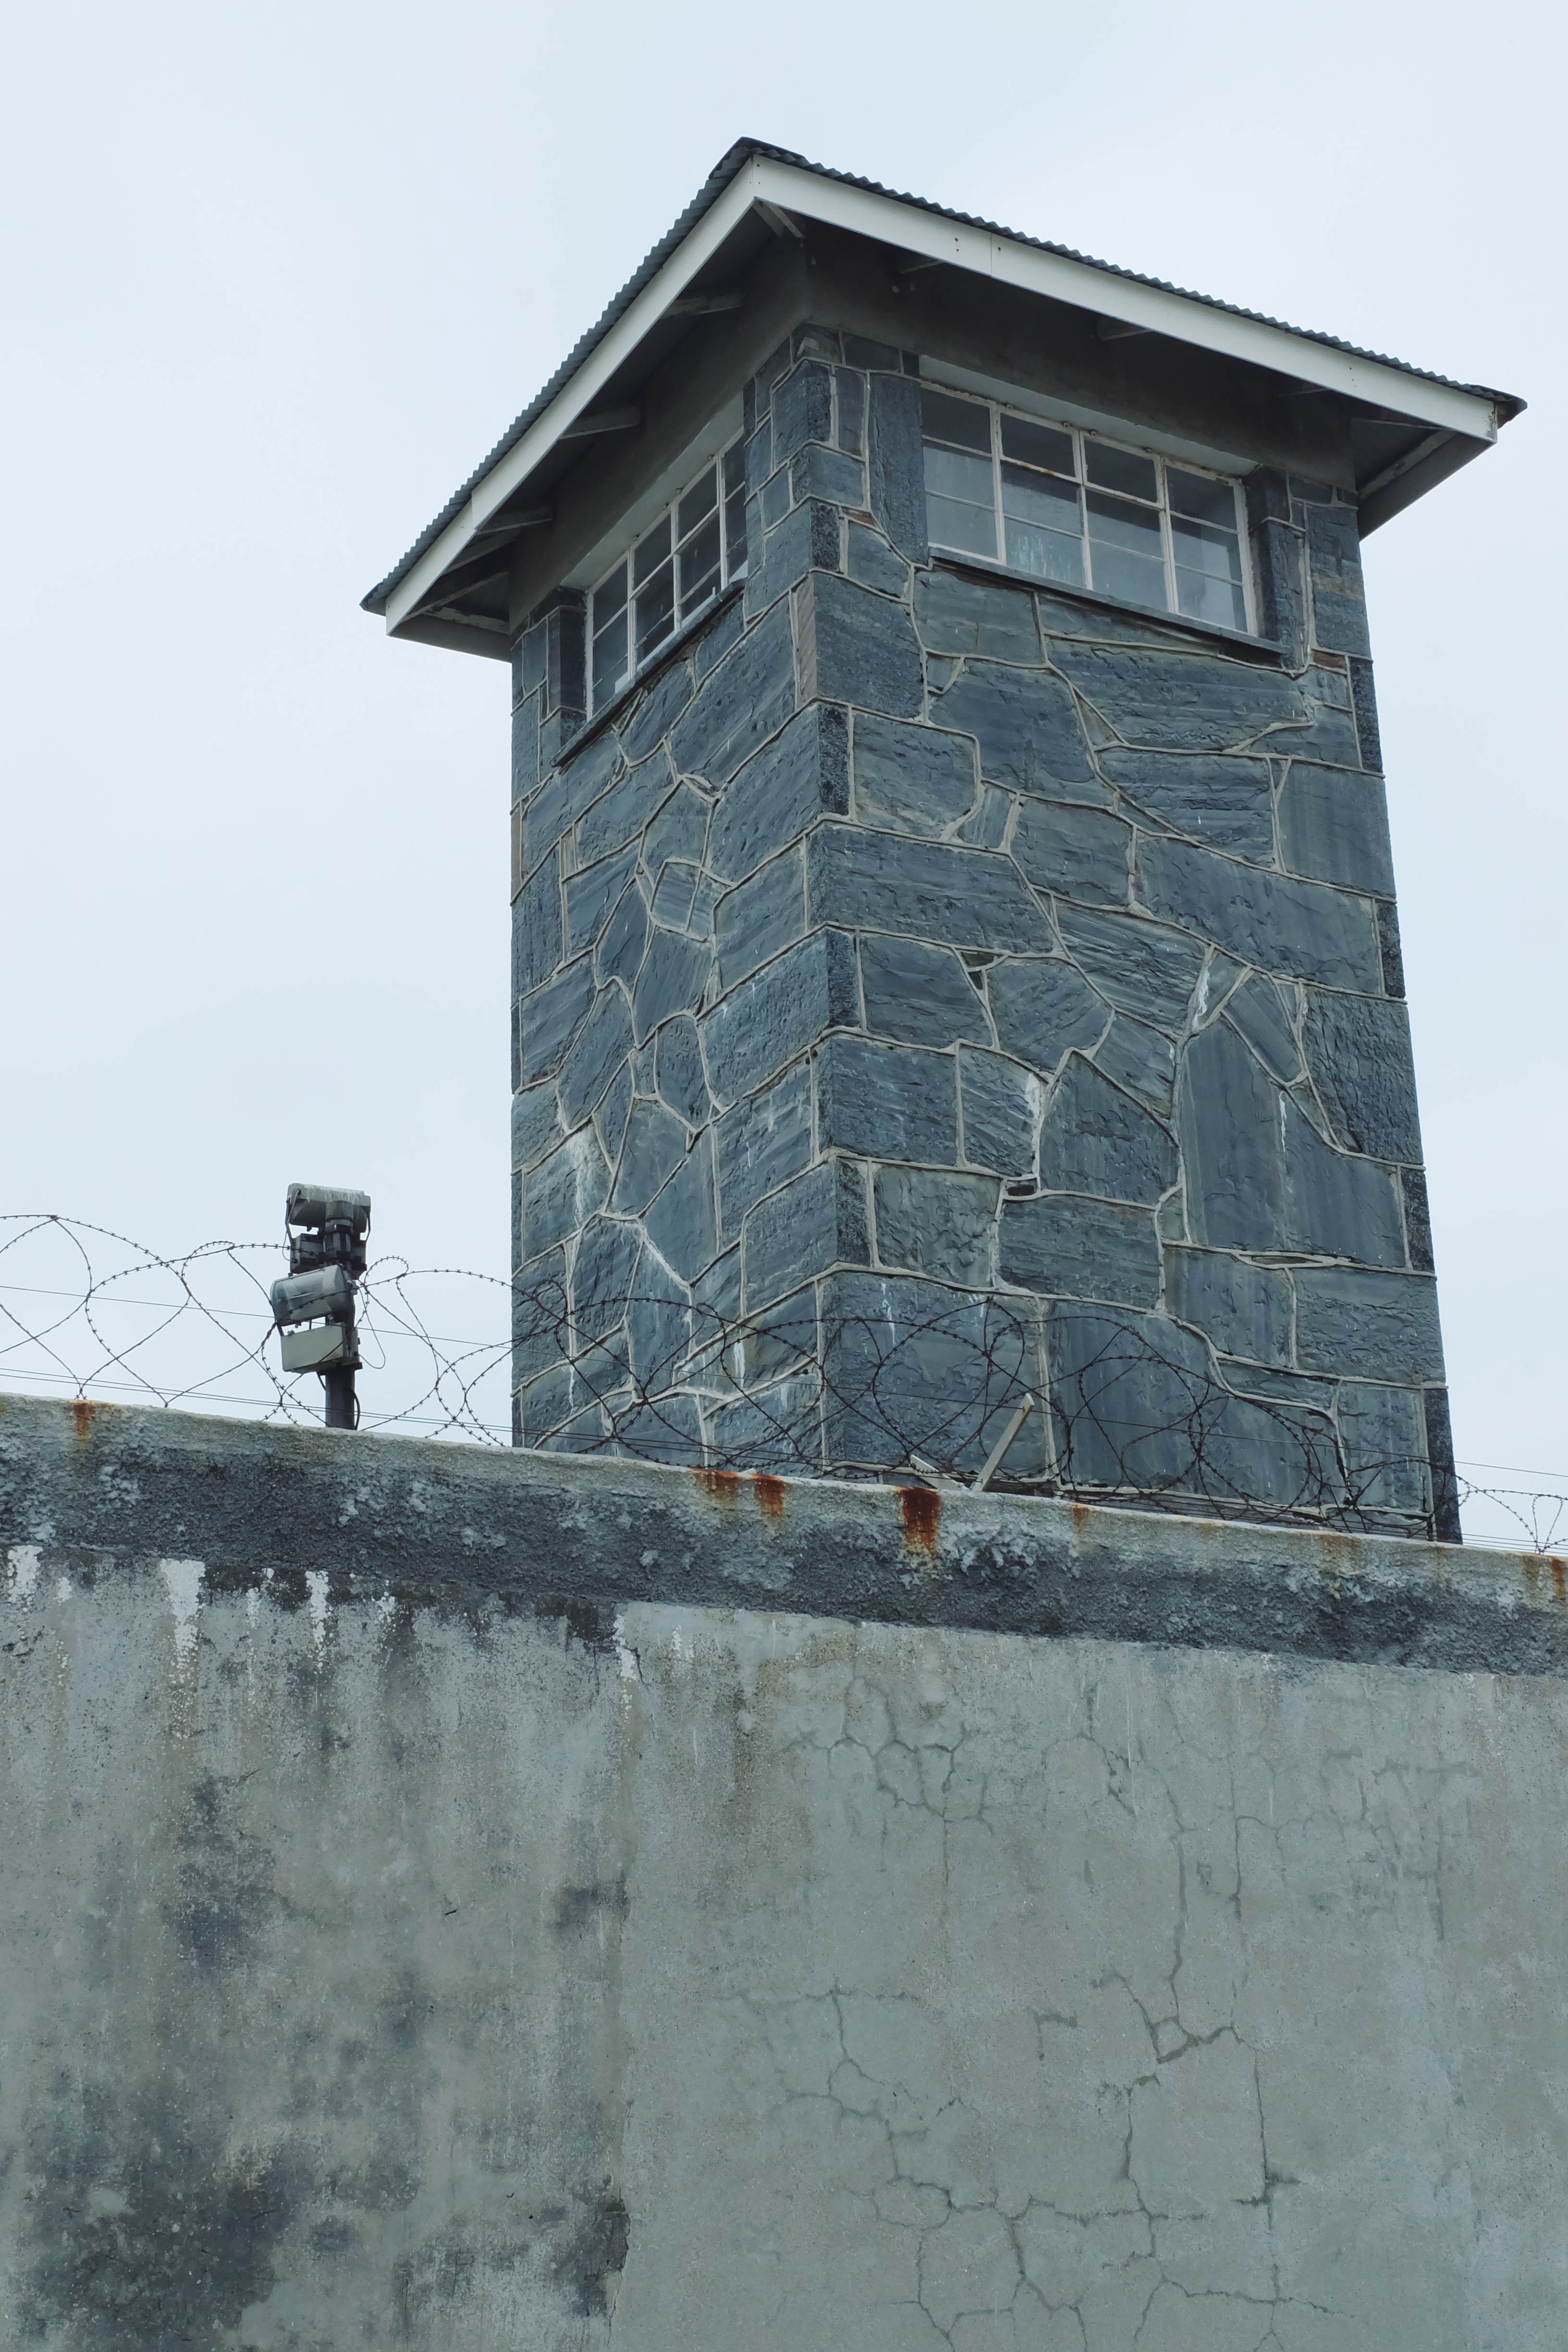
(1305,929)
(1142,1060)
(1380,1325)
(874,563)
(536,928)
(666,1429)
(1225,802)
(624,810)
(984,617)
(1358,1048)
(1259,1178)
(524,749)
(1097,1139)
(745,698)
(591,894)
(1245,1309)
(1074,1248)
(1137,966)
(1281,582)
(685,899)
(828,473)
(1334,824)
(722,630)
(1390,960)
(801,775)
(911,779)
(564,796)
(889,1102)
(677,1065)
(1383,1433)
(758,457)
(778,1013)
(1294,1389)
(802,408)
(987,828)
(535,1129)
(896,463)
(1000,1107)
(562,1193)
(1043,1009)
(920,994)
(814,1223)
(1418,1219)
(761,1143)
(849,398)
(1364,706)
(1445,1525)
(760,917)
(659,1327)
(807,537)
(682,1221)
(623,939)
(1180,701)
(935,1224)
(887,882)
(549,1018)
(1026,723)
(1078,853)
(672,980)
(1260,1010)
(604,1277)
(1339,598)
(855,648)
(653,1149)
(656,711)
(602,1045)
(610,1114)
(911,1367)
(679,830)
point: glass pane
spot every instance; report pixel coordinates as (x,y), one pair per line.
(1197,494)
(971,530)
(735,469)
(655,610)
(953,474)
(609,659)
(1207,598)
(652,551)
(1120,469)
(966,422)
(1125,553)
(610,596)
(1040,497)
(700,499)
(699,562)
(1117,522)
(735,532)
(1037,444)
(1048,555)
(1202,548)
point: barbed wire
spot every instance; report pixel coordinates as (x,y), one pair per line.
(1128,1409)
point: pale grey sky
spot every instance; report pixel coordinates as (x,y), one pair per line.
(276,279)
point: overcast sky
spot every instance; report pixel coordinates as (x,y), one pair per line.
(275,278)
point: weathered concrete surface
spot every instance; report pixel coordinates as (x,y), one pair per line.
(393,1956)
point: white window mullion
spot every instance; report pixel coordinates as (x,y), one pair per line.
(1167,537)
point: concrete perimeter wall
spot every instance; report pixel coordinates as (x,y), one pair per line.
(473,1902)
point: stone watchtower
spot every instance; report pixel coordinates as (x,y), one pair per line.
(954,941)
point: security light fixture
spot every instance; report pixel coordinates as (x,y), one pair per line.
(313,1304)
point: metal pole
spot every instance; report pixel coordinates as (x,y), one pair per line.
(339,1380)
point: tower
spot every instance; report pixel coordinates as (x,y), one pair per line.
(955,950)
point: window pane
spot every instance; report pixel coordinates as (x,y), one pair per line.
(735,469)
(959,508)
(1048,555)
(652,551)
(610,595)
(1196,494)
(1044,525)
(966,422)
(609,659)
(1201,548)
(1120,469)
(735,532)
(1124,549)
(655,610)
(1040,497)
(951,474)
(700,499)
(699,562)
(1037,444)
(1207,598)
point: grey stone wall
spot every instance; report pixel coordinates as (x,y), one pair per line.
(928,989)
(403,1947)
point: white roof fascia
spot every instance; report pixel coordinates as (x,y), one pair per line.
(1159,312)
(640,317)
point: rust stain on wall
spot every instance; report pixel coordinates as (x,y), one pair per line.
(719,1486)
(921,1510)
(84,1413)
(769,1494)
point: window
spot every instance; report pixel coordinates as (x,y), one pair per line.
(697,546)
(1067,506)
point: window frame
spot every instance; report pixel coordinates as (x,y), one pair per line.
(622,573)
(1082,434)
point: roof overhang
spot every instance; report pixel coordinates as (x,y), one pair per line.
(1460,420)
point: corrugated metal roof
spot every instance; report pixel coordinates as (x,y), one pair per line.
(712,188)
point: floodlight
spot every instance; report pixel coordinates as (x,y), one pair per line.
(327,1225)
